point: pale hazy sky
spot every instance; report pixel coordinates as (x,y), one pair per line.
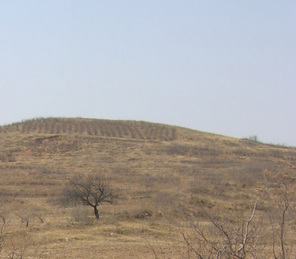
(226,67)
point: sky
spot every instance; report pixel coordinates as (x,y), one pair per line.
(225,67)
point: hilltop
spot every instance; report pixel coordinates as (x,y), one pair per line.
(162,173)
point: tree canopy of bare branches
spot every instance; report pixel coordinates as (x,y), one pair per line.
(90,190)
(225,239)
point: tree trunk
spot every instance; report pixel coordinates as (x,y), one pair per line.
(96,212)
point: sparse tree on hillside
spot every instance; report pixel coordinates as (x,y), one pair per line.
(90,190)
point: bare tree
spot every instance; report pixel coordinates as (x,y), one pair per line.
(4,219)
(225,239)
(24,216)
(90,190)
(279,235)
(2,227)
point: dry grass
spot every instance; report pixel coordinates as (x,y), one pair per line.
(161,173)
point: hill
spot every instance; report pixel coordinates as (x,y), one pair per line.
(163,175)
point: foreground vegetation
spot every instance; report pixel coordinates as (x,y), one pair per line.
(180,193)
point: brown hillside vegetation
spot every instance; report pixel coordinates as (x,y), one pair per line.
(171,183)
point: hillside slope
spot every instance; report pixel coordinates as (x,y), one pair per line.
(161,173)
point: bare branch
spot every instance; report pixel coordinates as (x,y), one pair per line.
(191,247)
(246,234)
(89,189)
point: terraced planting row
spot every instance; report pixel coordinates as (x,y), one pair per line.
(105,128)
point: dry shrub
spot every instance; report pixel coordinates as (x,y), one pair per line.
(143,214)
(16,246)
